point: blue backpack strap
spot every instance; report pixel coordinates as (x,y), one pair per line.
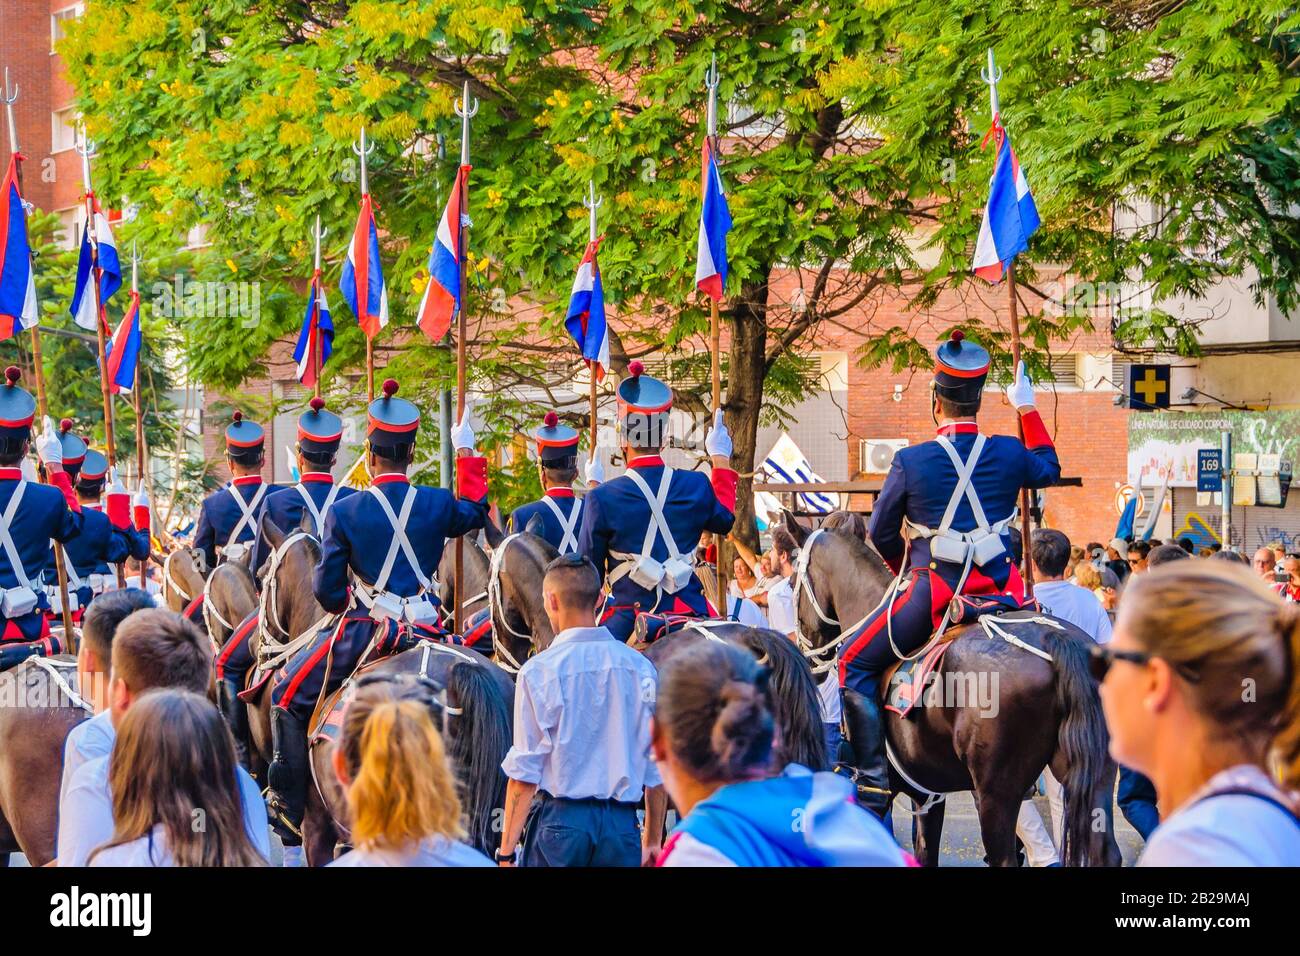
(1245,792)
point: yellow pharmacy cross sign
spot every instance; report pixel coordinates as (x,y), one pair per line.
(1148,387)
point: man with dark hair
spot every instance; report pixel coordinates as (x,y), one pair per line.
(228,517)
(1164,554)
(956,496)
(640,529)
(31,515)
(1137,556)
(152,649)
(559,510)
(580,761)
(379,554)
(94,738)
(1186,544)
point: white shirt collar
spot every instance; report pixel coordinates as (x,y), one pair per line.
(598,633)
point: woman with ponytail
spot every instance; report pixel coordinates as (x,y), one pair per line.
(401,794)
(1201,688)
(713,741)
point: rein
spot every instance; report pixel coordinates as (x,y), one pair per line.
(272,649)
(169,584)
(496,607)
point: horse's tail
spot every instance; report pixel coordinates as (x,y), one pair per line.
(1082,741)
(796,707)
(477,747)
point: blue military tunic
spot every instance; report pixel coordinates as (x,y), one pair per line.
(567,502)
(358,535)
(616,515)
(286,506)
(42,514)
(95,550)
(221,514)
(918,488)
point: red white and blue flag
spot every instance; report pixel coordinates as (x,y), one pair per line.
(715,223)
(442,296)
(124,349)
(316,340)
(17,278)
(586,317)
(1010,217)
(110,273)
(362,282)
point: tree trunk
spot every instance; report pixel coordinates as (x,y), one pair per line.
(746,369)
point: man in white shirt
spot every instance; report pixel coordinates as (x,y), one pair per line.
(94,738)
(1049,552)
(581,764)
(783,617)
(151,649)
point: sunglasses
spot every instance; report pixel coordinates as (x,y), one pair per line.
(1101,657)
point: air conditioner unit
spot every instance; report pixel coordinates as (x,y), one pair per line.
(876,455)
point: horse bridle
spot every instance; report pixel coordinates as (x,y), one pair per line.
(497,609)
(169,584)
(821,657)
(274,649)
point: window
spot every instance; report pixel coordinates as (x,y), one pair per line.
(71,221)
(58,23)
(64,125)
(1065,370)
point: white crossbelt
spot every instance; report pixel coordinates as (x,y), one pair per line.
(318,515)
(248,508)
(965,488)
(658,527)
(6,539)
(376,596)
(569,540)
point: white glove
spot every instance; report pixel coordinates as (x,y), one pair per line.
(48,447)
(115,486)
(28,469)
(141,499)
(1021,392)
(462,435)
(718,440)
(594,472)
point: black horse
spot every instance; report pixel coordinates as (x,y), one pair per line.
(1046,713)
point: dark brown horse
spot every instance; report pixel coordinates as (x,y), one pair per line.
(229,595)
(476,564)
(1042,714)
(518,563)
(39,706)
(473,700)
(795,706)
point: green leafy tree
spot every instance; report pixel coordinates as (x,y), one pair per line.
(851,137)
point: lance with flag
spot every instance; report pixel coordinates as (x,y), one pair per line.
(18,308)
(316,340)
(711,261)
(362,282)
(585,319)
(1010,218)
(442,299)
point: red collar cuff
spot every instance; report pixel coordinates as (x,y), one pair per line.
(247,480)
(319,476)
(391,479)
(959,428)
(10,474)
(559,492)
(646,461)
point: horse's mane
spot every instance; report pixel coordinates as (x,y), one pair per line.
(795,706)
(863,553)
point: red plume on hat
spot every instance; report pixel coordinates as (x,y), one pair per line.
(12,374)
(317,403)
(390,387)
(550,420)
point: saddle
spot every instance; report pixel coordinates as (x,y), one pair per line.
(648,628)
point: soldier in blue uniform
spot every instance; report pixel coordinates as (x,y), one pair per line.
(957,496)
(228,517)
(107,537)
(30,515)
(641,529)
(559,509)
(380,552)
(319,433)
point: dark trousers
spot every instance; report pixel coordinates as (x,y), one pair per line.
(869,652)
(583,832)
(236,657)
(322,666)
(1136,796)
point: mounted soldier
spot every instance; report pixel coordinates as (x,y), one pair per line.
(30,515)
(380,551)
(559,509)
(957,496)
(107,536)
(641,529)
(319,433)
(228,518)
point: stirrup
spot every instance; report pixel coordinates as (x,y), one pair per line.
(277,819)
